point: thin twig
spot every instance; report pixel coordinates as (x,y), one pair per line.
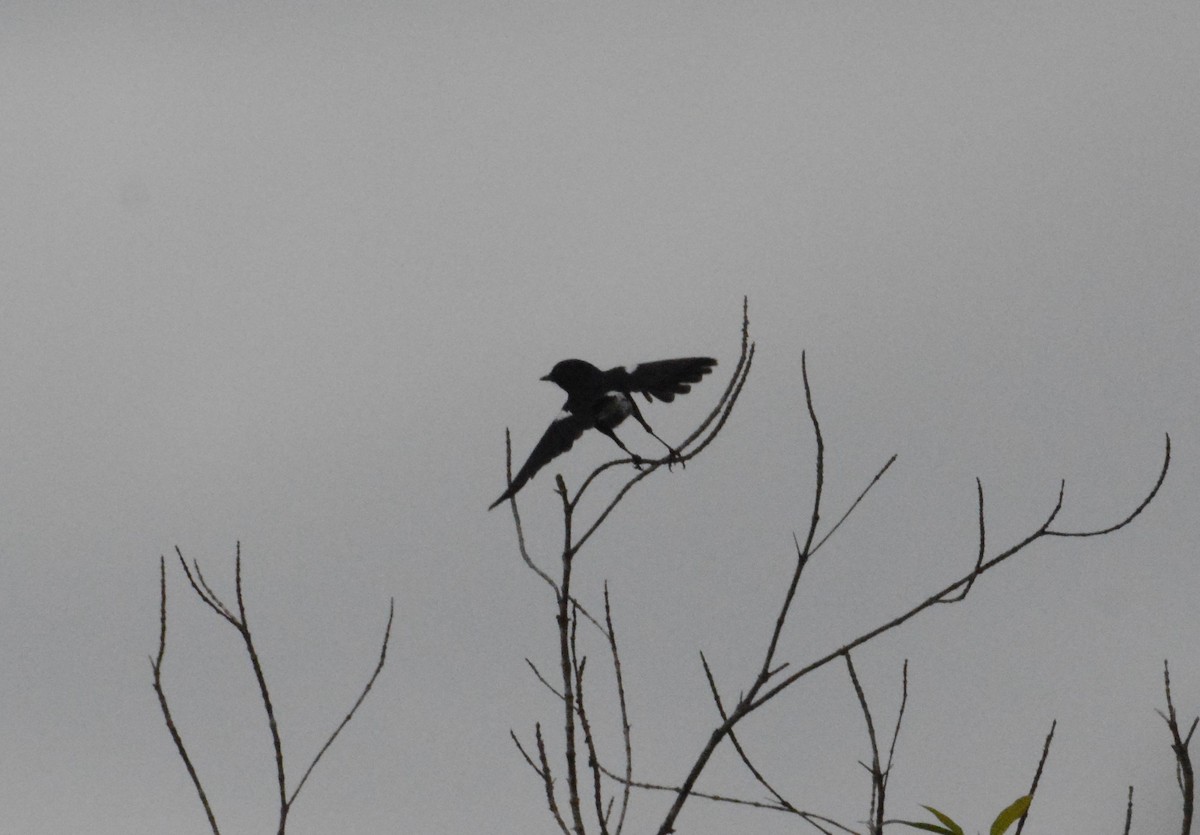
(978,559)
(548,779)
(241,623)
(802,552)
(542,678)
(243,627)
(588,740)
(736,801)
(1136,511)
(722,410)
(878,776)
(203,591)
(715,419)
(853,505)
(1184,775)
(701,437)
(746,704)
(565,659)
(1129,812)
(626,732)
(737,745)
(387,634)
(1037,775)
(756,699)
(783,803)
(517,516)
(156,665)
(899,718)
(1041,531)
(517,741)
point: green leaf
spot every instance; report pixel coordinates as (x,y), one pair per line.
(953,827)
(1011,815)
(928,827)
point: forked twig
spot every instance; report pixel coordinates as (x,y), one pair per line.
(240,622)
(571,669)
(758,695)
(978,559)
(769,680)
(588,740)
(712,425)
(875,769)
(1184,775)
(938,597)
(809,817)
(899,717)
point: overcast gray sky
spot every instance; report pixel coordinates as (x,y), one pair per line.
(283,274)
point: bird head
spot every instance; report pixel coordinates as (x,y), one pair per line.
(571,375)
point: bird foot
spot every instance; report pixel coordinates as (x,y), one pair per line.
(675,458)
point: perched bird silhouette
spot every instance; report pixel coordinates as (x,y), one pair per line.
(602,400)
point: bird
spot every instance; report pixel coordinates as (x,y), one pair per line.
(602,400)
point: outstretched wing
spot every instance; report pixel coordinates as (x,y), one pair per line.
(558,438)
(662,379)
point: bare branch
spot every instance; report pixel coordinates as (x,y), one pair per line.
(243,627)
(1184,775)
(240,622)
(548,780)
(802,553)
(756,697)
(517,741)
(724,406)
(1037,775)
(1136,512)
(819,486)
(589,741)
(702,436)
(517,516)
(878,776)
(979,558)
(737,745)
(542,678)
(1129,812)
(853,505)
(387,634)
(626,734)
(899,718)
(1041,531)
(200,587)
(566,661)
(156,665)
(809,817)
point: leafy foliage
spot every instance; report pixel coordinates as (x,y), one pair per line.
(1010,815)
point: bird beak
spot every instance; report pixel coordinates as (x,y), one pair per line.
(546,378)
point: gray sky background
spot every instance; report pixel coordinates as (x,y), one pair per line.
(284,275)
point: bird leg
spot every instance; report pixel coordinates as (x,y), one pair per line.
(637,459)
(673,455)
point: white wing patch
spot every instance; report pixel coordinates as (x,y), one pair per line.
(614,408)
(630,369)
